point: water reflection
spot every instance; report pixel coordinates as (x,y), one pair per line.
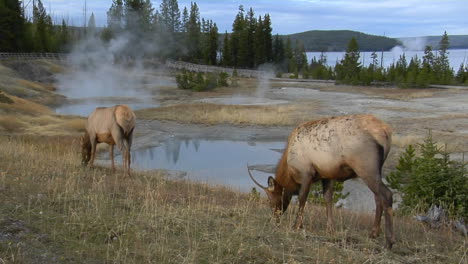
(214,161)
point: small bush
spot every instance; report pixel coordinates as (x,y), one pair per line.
(222,79)
(200,82)
(431,178)
(316,193)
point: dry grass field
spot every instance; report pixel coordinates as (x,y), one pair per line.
(55,211)
(206,113)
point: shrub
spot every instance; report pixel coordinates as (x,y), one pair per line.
(431,178)
(200,82)
(222,79)
(316,193)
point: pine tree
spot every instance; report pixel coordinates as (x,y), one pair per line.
(443,72)
(193,34)
(226,59)
(170,15)
(278,50)
(64,38)
(288,54)
(247,49)
(259,43)
(12,26)
(348,69)
(115,16)
(91,25)
(267,38)
(185,20)
(213,44)
(238,27)
(462,74)
(43,25)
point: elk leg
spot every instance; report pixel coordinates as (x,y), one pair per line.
(387,201)
(129,158)
(328,189)
(129,146)
(111,153)
(93,151)
(378,216)
(303,193)
(383,204)
(125,157)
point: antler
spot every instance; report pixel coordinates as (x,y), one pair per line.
(250,174)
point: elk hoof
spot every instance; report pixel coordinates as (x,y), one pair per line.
(298,226)
(389,243)
(330,228)
(374,233)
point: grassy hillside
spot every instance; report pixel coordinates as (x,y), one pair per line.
(25,88)
(337,40)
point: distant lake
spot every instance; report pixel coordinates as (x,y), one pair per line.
(456,56)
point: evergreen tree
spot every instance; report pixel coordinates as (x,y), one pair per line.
(43,26)
(12,26)
(278,50)
(348,69)
(238,27)
(115,16)
(300,57)
(185,20)
(193,33)
(462,74)
(247,51)
(268,38)
(226,59)
(259,41)
(91,25)
(170,15)
(288,54)
(212,44)
(64,38)
(443,72)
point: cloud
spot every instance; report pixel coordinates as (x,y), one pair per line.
(395,18)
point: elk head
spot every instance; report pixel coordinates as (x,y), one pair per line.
(278,197)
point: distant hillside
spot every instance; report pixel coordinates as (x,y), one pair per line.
(419,43)
(337,40)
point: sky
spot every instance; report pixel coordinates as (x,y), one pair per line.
(392,18)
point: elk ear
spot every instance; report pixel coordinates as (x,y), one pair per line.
(271,184)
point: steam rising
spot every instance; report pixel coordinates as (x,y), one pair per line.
(264,80)
(414,44)
(95,72)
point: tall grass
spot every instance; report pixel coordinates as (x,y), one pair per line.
(71,214)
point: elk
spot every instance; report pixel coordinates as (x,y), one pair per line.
(333,149)
(111,125)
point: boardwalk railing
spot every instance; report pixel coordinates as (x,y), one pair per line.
(32,56)
(180,65)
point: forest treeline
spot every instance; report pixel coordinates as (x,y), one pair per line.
(170,33)
(432,68)
(337,40)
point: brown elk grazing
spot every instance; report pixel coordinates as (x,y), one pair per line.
(334,149)
(111,125)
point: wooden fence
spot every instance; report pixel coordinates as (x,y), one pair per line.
(32,56)
(180,65)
